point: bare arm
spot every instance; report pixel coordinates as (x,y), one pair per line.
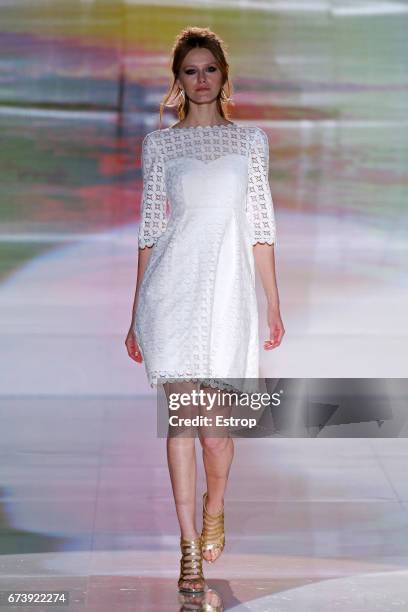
(264,256)
(143,258)
(130,342)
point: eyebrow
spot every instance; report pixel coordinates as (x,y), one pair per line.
(194,66)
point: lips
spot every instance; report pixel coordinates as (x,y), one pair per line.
(202,89)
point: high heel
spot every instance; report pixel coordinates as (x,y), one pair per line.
(191,570)
(212,535)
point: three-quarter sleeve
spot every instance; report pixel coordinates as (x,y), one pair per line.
(153,218)
(259,206)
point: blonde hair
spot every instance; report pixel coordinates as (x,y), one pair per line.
(190,38)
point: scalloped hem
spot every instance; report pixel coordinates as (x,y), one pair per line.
(215,383)
(147,243)
(267,241)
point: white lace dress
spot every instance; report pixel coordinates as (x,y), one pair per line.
(197,316)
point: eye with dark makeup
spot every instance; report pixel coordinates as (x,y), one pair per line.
(191,70)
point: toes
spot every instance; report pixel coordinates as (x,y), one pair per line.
(211,555)
(191,585)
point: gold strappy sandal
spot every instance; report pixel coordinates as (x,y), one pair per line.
(191,570)
(212,535)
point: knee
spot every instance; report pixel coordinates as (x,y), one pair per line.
(180,443)
(215,445)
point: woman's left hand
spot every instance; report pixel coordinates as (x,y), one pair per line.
(275,327)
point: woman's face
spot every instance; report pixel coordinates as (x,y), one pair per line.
(200,76)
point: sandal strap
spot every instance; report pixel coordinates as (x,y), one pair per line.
(191,560)
(213,528)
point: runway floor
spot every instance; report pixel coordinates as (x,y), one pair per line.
(86,507)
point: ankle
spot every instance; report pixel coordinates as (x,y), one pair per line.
(189,535)
(214,506)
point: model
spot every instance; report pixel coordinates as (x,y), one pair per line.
(195,316)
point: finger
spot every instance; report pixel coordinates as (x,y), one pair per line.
(273,335)
(134,351)
(273,341)
(138,354)
(269,344)
(132,355)
(130,346)
(276,339)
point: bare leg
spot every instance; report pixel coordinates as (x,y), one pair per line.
(181,458)
(218,453)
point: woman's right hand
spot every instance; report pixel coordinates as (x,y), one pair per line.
(132,347)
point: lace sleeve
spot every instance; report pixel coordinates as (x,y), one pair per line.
(259,209)
(153,219)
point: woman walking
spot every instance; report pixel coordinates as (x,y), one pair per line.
(195,316)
